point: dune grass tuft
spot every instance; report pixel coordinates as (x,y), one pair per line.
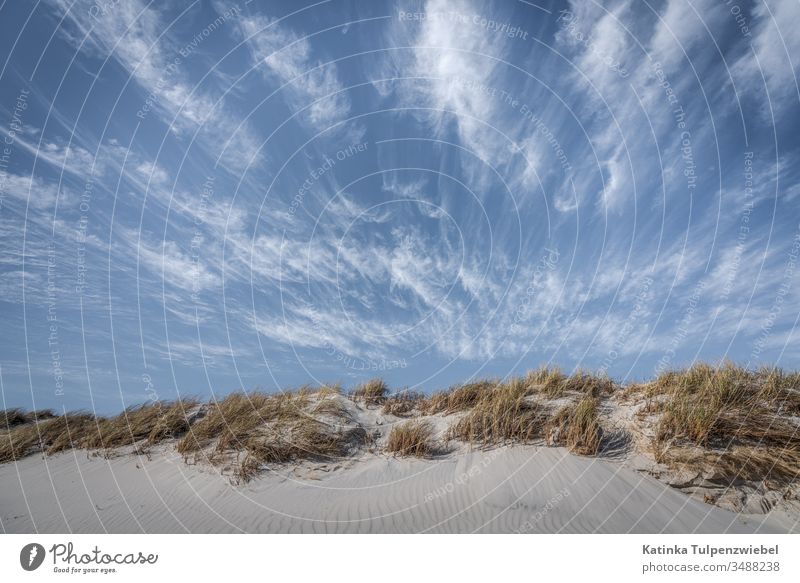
(739,463)
(232,421)
(590,384)
(576,425)
(330,406)
(154,422)
(329,390)
(403,404)
(12,417)
(303,438)
(780,389)
(372,392)
(727,420)
(258,429)
(547,380)
(458,398)
(412,438)
(503,414)
(715,406)
(174,420)
(50,436)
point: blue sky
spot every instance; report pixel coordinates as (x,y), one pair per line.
(211,196)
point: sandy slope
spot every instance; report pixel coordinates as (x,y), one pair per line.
(528,489)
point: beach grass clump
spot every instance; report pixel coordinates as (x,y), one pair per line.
(154,422)
(547,380)
(757,464)
(330,405)
(728,420)
(12,417)
(306,439)
(403,404)
(577,427)
(173,420)
(329,390)
(553,383)
(780,389)
(506,413)
(50,436)
(754,464)
(250,430)
(232,421)
(17,443)
(458,398)
(328,401)
(412,438)
(590,384)
(302,439)
(68,431)
(708,405)
(372,392)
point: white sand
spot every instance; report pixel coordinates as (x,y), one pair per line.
(533,489)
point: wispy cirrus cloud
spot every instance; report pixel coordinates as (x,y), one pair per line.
(772,63)
(136,36)
(287,58)
(590,185)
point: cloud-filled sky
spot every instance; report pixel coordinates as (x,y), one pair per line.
(202,197)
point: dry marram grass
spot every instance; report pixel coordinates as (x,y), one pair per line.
(505,413)
(154,422)
(458,398)
(373,392)
(411,438)
(727,420)
(576,425)
(403,404)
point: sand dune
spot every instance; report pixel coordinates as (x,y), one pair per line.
(325,460)
(508,489)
